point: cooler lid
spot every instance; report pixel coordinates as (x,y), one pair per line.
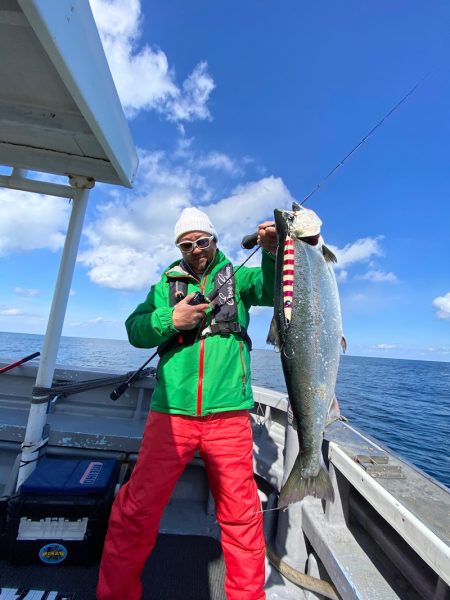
(64,477)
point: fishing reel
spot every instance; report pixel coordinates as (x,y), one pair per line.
(198,298)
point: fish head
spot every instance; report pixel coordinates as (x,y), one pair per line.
(299,222)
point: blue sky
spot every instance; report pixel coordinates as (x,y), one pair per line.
(239,108)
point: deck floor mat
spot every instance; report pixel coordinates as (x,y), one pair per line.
(181,567)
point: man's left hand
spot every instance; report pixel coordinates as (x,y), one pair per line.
(267,236)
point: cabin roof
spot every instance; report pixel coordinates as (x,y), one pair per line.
(59,108)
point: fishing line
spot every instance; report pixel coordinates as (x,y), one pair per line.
(251,239)
(264,510)
(216,293)
(197,299)
(361,142)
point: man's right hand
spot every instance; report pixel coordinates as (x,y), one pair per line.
(186,316)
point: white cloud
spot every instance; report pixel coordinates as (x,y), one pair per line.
(261,310)
(219,162)
(31,221)
(341,276)
(131,240)
(249,204)
(384,346)
(436,353)
(101,321)
(184,148)
(93,321)
(142,74)
(213,161)
(190,103)
(121,267)
(10,312)
(442,306)
(378,277)
(360,251)
(27,292)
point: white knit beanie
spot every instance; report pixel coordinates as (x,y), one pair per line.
(193,219)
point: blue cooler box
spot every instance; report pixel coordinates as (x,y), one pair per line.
(61,512)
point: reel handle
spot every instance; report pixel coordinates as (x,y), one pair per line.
(249,241)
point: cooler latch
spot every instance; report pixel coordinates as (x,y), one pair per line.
(52,528)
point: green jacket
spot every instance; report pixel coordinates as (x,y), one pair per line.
(212,374)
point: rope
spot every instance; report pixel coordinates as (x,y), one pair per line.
(307,582)
(43,394)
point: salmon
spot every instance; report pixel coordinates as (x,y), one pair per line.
(307,330)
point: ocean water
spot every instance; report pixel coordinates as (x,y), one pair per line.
(404,404)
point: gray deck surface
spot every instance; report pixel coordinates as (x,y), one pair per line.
(424,497)
(179,568)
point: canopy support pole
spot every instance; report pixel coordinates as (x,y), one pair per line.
(37,417)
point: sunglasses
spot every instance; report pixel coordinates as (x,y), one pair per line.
(201,243)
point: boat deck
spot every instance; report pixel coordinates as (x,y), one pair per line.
(386,536)
(170,573)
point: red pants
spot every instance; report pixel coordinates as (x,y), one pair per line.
(224,441)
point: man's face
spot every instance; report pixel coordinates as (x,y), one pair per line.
(199,258)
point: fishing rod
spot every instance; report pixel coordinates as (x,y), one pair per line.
(19,362)
(115,394)
(249,241)
(361,142)
(198,298)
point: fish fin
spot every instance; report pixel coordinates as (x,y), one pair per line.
(273,337)
(343,344)
(328,255)
(297,487)
(334,412)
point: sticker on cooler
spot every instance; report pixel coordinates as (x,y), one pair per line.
(91,474)
(53,554)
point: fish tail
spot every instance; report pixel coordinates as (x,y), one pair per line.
(297,487)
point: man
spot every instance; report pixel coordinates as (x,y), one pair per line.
(200,402)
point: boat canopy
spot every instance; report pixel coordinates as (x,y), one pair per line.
(59,109)
(59,114)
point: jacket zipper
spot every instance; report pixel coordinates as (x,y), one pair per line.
(201,364)
(200,378)
(244,374)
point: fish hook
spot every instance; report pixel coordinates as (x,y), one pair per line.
(286,356)
(260,415)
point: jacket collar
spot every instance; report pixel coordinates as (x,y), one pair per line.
(180,269)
